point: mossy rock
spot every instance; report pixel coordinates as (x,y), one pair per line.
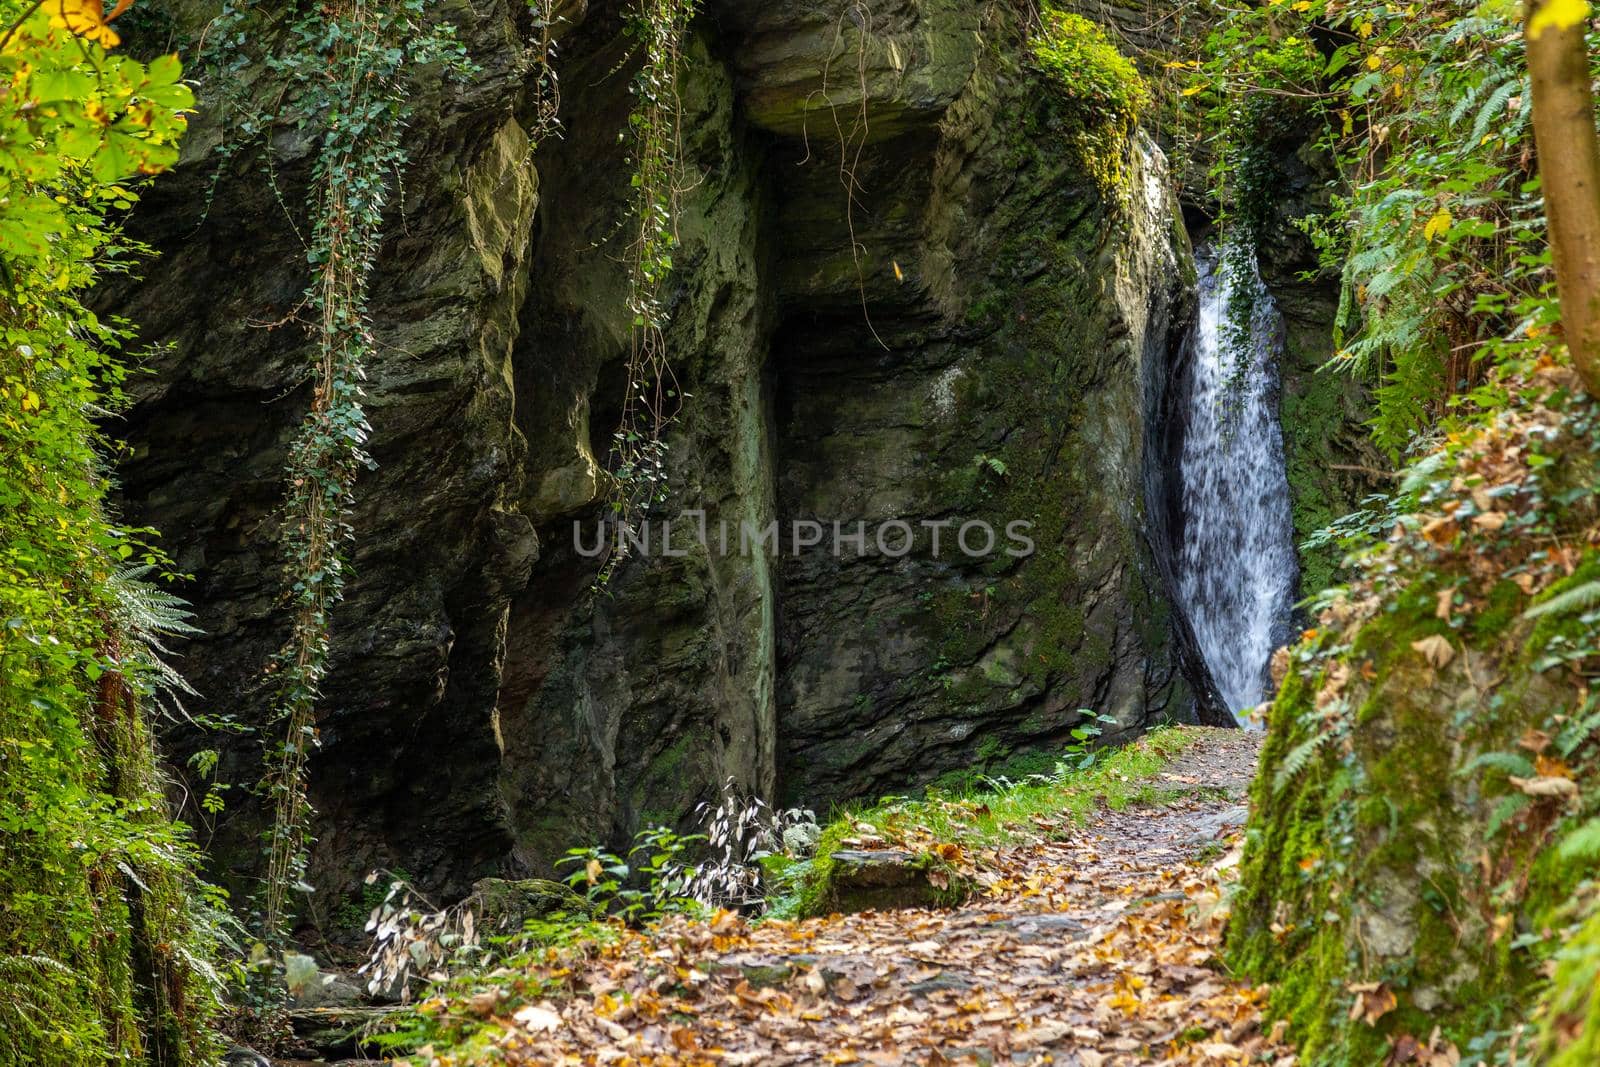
(504,905)
(342,1031)
(1102,87)
(1389,840)
(884,880)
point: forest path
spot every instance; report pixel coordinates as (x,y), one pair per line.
(1095,948)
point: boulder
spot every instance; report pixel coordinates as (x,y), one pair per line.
(883,879)
(504,905)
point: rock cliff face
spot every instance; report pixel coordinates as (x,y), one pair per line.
(896,297)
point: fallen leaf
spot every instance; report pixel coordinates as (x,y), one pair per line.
(1436,650)
(1373,1001)
(1535,740)
(537,1018)
(1546,787)
(1441,531)
(1551,767)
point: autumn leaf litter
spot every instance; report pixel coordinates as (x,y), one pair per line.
(1095,950)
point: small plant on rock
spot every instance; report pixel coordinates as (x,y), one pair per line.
(1104,92)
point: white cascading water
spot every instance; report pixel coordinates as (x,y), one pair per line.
(1236,567)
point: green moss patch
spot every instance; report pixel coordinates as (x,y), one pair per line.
(1107,94)
(1426,755)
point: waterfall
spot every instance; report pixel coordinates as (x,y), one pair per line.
(1236,564)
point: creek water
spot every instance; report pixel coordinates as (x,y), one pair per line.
(1236,562)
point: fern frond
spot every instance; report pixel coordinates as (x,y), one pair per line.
(1296,761)
(1503,812)
(1582,843)
(1494,109)
(149,614)
(21,965)
(1510,763)
(1578,598)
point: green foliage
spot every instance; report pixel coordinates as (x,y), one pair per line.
(93,120)
(1583,844)
(1250,99)
(1435,227)
(1106,94)
(1579,598)
(1296,760)
(1408,824)
(653,880)
(1570,1020)
(106,935)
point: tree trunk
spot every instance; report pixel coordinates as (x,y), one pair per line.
(1569,165)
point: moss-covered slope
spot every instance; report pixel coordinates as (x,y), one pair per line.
(1428,747)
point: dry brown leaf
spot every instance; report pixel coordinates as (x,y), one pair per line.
(1436,649)
(1546,787)
(1535,740)
(1373,1001)
(1551,767)
(1441,531)
(537,1018)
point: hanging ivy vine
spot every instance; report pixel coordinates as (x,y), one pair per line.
(652,398)
(343,66)
(346,62)
(1247,181)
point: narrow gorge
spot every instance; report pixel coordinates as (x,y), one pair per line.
(899,295)
(716,532)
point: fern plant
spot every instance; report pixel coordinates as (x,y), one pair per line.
(1297,760)
(152,616)
(1577,599)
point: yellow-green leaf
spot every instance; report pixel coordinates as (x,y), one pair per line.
(1557,15)
(1437,226)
